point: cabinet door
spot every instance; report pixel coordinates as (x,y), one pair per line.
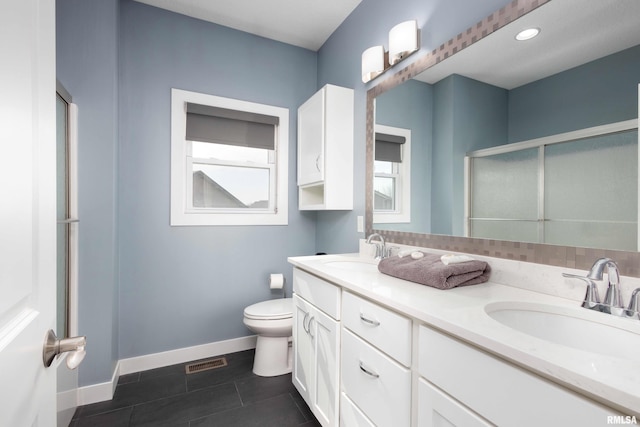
(311,140)
(437,409)
(324,398)
(351,415)
(302,349)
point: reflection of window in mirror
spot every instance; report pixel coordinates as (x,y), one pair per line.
(392,175)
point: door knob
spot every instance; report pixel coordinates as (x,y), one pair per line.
(53,347)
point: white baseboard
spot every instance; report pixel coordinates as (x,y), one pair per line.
(99,392)
(104,391)
(67,401)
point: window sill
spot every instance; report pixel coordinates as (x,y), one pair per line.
(225,219)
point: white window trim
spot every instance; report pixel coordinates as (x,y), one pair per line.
(403,213)
(180,213)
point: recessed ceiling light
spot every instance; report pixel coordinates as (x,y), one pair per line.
(527,34)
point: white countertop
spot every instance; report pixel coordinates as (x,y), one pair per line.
(460,312)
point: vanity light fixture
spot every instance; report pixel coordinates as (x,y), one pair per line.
(403,41)
(527,34)
(373,63)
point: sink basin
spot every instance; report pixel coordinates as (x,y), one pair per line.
(354,265)
(577,327)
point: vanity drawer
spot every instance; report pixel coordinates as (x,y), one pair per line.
(350,415)
(386,330)
(486,385)
(318,292)
(436,408)
(376,384)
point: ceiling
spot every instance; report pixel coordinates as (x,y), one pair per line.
(303,23)
(573,32)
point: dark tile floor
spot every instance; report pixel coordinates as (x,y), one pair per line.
(227,396)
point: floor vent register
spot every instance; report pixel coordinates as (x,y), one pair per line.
(206,365)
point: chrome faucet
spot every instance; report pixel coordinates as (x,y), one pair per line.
(632,310)
(381,248)
(591,298)
(612,303)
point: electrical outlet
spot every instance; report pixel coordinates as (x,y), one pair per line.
(360,224)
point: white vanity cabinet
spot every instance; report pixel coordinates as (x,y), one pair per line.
(372,351)
(325,150)
(316,345)
(375,365)
(436,408)
(463,386)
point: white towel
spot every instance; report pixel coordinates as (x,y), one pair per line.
(455,259)
(404,252)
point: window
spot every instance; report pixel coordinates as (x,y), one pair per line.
(392,175)
(228,161)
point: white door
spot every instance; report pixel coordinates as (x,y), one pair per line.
(27,210)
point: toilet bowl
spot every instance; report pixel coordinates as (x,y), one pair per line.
(272,322)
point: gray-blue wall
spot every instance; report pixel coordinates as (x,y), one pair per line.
(87,65)
(410,106)
(600,92)
(184,286)
(339,63)
(469,115)
(146,287)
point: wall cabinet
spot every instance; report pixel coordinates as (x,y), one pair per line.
(325,150)
(316,345)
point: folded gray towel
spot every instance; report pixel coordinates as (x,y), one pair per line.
(430,271)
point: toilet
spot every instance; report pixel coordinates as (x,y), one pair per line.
(272,321)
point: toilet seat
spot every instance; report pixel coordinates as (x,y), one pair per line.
(275,309)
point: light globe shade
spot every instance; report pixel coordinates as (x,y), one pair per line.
(403,41)
(372,63)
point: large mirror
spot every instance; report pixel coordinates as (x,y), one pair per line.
(548,124)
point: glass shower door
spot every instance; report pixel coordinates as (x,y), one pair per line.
(62,186)
(580,191)
(504,196)
(602,211)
